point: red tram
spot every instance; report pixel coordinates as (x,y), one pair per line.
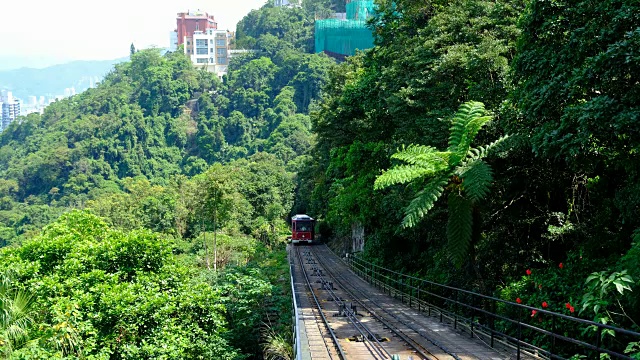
(302,229)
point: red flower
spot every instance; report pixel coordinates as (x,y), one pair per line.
(567,305)
(561,265)
(572,309)
(533,313)
(544,304)
(518,301)
(528,271)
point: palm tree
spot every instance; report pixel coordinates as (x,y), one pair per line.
(459,170)
(16,308)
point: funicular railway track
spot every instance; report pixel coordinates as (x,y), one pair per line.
(373,347)
(321,334)
(356,336)
(379,307)
(360,322)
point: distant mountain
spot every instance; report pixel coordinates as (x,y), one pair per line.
(12,62)
(53,80)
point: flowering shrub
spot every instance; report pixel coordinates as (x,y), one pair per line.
(562,288)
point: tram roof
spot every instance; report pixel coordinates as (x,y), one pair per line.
(301,217)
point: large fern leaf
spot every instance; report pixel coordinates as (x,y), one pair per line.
(459,227)
(421,155)
(424,200)
(465,114)
(459,124)
(466,123)
(402,174)
(471,130)
(476,179)
(482,151)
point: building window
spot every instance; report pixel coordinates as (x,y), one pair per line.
(212,50)
(222,51)
(197,26)
(188,42)
(220,42)
(222,60)
(201,42)
(202,51)
(202,61)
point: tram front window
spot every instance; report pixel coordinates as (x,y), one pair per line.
(303,227)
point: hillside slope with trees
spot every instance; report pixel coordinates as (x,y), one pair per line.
(145,218)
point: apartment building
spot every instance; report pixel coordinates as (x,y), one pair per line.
(203,43)
(211,50)
(291,3)
(187,23)
(10,109)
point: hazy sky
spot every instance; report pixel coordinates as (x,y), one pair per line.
(62,30)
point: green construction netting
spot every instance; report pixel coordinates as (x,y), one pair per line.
(360,9)
(346,36)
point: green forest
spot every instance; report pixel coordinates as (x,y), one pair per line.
(487,145)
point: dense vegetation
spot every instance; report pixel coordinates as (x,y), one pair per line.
(111,202)
(145,218)
(559,197)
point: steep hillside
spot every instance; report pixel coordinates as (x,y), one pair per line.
(174,189)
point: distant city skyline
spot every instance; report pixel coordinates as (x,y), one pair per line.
(68,30)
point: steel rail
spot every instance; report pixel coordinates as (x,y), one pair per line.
(319,308)
(417,347)
(357,324)
(351,316)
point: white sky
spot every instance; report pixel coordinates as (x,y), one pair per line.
(101,30)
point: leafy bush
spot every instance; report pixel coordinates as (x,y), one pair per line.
(103,293)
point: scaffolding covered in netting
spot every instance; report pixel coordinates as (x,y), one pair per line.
(360,9)
(346,36)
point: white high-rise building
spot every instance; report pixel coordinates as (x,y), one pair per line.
(10,109)
(292,3)
(211,50)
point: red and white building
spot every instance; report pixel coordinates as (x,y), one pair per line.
(206,46)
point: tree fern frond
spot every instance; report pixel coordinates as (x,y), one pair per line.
(467,122)
(459,228)
(421,155)
(476,180)
(465,114)
(472,129)
(456,133)
(424,200)
(482,151)
(414,150)
(401,174)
